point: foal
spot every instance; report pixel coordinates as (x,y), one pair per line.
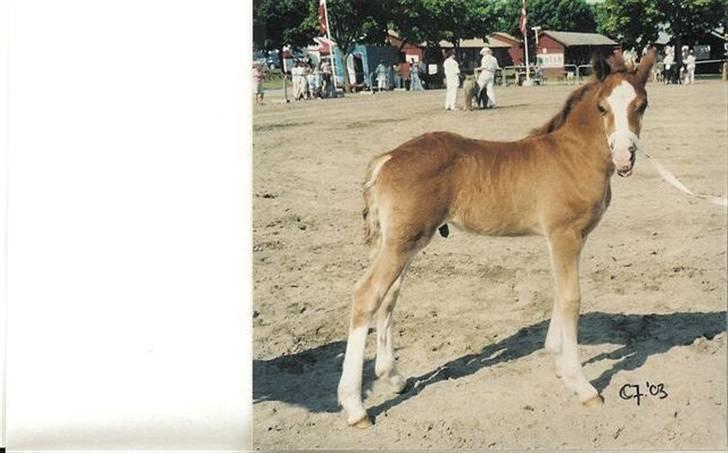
(554,182)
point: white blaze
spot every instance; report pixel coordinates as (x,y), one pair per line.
(622,138)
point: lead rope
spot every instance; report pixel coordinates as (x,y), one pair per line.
(670,178)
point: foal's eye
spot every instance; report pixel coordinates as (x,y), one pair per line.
(602,110)
(641,109)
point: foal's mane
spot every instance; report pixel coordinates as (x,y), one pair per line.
(615,63)
(559,119)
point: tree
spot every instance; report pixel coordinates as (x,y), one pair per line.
(636,21)
(633,22)
(352,22)
(277,23)
(690,20)
(432,21)
(556,15)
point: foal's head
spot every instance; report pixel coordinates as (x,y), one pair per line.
(621,102)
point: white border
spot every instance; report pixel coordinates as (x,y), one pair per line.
(129,226)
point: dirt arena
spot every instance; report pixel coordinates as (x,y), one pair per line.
(653,280)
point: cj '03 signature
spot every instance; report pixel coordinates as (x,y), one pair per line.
(633,391)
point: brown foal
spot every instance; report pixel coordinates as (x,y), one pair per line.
(555,182)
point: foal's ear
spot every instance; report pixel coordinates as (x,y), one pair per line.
(643,71)
(601,66)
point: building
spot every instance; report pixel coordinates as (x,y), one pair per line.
(409,51)
(507,49)
(556,49)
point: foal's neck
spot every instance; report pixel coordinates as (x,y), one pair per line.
(585,126)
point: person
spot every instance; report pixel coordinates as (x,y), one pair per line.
(486,78)
(405,67)
(326,79)
(690,64)
(422,71)
(381,73)
(397,76)
(415,82)
(452,80)
(258,77)
(315,81)
(667,63)
(682,66)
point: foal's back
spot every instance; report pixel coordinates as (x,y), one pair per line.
(481,186)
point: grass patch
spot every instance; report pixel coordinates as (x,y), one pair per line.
(274,80)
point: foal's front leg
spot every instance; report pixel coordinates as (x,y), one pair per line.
(565,249)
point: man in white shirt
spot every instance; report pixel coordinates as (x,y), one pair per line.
(486,79)
(690,64)
(452,79)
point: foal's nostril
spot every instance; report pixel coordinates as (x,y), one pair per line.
(633,148)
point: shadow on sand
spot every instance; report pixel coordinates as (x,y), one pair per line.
(309,378)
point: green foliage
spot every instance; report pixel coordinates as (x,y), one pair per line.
(555,15)
(354,21)
(281,22)
(691,19)
(636,21)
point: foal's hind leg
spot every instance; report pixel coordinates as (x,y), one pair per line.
(385,366)
(553,336)
(565,249)
(368,295)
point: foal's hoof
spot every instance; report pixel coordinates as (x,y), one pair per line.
(594,401)
(364,423)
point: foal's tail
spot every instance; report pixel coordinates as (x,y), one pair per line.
(372,226)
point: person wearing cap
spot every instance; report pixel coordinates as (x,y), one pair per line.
(486,78)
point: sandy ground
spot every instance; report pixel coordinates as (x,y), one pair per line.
(473,312)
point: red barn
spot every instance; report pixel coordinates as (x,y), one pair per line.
(409,50)
(557,48)
(506,48)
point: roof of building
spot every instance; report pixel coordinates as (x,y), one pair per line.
(396,35)
(569,38)
(465,43)
(495,43)
(477,43)
(500,35)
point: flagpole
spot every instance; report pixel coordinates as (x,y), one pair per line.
(331,43)
(525,47)
(524,33)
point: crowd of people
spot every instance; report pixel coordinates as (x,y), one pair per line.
(485,76)
(316,81)
(678,73)
(402,76)
(312,81)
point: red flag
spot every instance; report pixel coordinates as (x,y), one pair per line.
(524,19)
(324,45)
(323,25)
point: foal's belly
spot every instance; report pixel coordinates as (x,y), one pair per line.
(497,225)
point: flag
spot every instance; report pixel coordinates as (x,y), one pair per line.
(323,25)
(324,45)
(524,18)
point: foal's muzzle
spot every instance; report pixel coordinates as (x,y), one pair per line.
(624,152)
(627,170)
